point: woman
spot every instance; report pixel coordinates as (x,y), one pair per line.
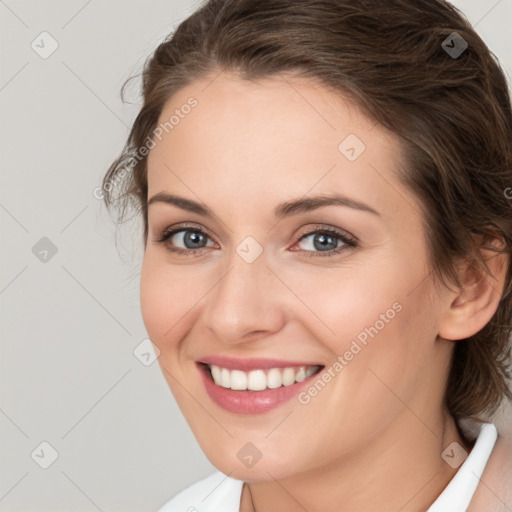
(327,233)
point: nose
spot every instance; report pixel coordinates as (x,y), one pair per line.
(246,305)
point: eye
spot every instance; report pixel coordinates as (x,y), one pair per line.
(325,242)
(191,239)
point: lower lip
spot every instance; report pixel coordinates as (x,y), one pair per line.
(250,402)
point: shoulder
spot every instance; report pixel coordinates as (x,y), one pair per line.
(494,491)
(206,494)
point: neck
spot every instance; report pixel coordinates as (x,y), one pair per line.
(401,470)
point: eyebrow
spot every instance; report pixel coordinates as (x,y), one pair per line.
(297,206)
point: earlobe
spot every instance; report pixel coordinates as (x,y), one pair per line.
(472,307)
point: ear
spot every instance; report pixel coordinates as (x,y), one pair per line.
(472,307)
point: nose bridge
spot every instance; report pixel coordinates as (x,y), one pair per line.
(243,301)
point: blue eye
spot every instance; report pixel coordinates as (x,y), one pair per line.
(193,239)
(324,241)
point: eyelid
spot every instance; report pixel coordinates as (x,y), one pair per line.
(329,229)
(184,227)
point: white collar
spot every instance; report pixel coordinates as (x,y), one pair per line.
(461,488)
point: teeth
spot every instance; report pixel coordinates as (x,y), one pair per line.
(216,373)
(301,374)
(288,376)
(274,378)
(225,378)
(311,370)
(238,380)
(258,380)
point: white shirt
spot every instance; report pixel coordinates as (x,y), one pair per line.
(221,493)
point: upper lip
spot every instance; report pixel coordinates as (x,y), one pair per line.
(233,363)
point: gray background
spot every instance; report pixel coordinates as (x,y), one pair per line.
(70,324)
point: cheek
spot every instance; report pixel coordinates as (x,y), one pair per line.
(153,299)
(349,302)
(163,299)
(388,348)
(171,298)
(166,300)
(373,319)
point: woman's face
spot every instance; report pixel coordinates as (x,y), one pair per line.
(259,285)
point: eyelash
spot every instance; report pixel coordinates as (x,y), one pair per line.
(348,241)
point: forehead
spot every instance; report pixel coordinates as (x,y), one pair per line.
(253,142)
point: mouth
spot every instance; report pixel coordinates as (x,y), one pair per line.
(259,379)
(254,386)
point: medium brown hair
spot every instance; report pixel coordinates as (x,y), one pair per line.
(452,113)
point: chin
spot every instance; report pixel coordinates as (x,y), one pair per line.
(264,469)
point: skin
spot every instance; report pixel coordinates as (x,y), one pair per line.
(372,438)
(494,494)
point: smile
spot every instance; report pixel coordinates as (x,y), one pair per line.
(253,386)
(258,380)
